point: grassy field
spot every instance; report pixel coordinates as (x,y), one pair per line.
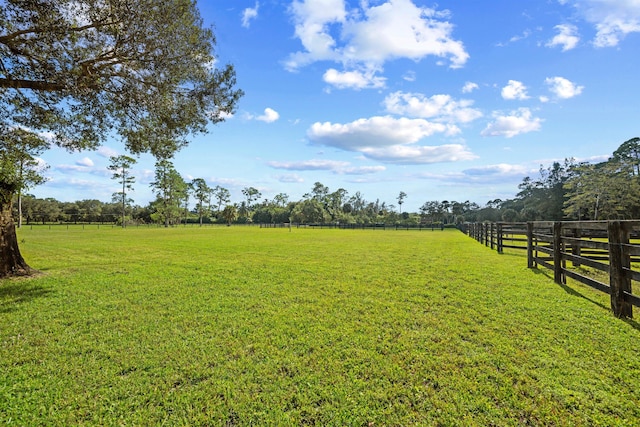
(248,326)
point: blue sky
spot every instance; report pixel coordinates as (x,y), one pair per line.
(455,100)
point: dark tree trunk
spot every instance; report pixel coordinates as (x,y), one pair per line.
(11,261)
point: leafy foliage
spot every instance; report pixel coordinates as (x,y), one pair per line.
(121,168)
(19,166)
(78,70)
(230,214)
(171,190)
(579,191)
(202,193)
(222,196)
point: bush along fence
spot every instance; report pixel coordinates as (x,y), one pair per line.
(581,250)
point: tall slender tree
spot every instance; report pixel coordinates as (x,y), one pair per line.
(334,203)
(400,199)
(19,166)
(78,69)
(121,168)
(222,196)
(170,189)
(251,194)
(281,199)
(202,193)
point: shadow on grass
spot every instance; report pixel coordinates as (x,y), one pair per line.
(571,291)
(633,323)
(14,294)
(575,293)
(568,289)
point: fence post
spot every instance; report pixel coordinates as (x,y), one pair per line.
(558,277)
(530,261)
(492,230)
(500,240)
(619,260)
(485,233)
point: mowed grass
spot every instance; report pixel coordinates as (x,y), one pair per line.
(248,326)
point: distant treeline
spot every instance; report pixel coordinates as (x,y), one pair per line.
(312,209)
(570,190)
(580,190)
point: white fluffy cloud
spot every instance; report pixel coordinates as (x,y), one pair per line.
(469,87)
(353,79)
(389,139)
(563,88)
(417,154)
(613,19)
(367,36)
(400,29)
(249,14)
(441,108)
(379,131)
(313,19)
(567,37)
(514,90)
(270,115)
(82,166)
(516,123)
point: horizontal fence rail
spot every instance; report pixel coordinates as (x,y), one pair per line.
(499,235)
(585,251)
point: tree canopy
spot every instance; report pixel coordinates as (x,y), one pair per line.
(76,72)
(77,69)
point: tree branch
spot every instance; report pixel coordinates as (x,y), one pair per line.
(7,38)
(8,83)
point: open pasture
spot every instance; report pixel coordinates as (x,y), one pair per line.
(248,326)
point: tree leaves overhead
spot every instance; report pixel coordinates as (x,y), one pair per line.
(19,166)
(78,68)
(628,155)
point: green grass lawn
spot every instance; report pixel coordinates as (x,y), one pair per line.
(246,326)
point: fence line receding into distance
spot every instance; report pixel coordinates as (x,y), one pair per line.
(580,250)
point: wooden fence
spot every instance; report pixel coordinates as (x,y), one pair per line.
(499,235)
(580,250)
(381,226)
